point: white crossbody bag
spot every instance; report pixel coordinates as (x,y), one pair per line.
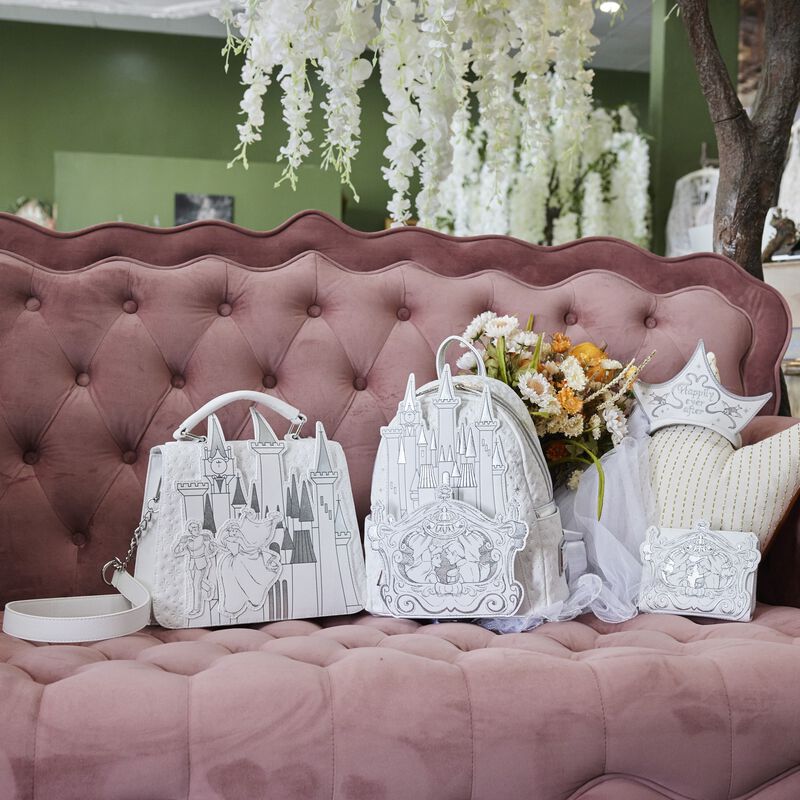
(232,532)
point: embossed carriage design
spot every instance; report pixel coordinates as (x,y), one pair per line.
(448,557)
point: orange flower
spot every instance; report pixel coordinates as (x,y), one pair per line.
(560,343)
(569,402)
(556,450)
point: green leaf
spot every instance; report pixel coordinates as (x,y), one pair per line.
(537,351)
(501,359)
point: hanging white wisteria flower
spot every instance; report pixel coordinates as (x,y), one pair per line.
(296,36)
(604,192)
(516,68)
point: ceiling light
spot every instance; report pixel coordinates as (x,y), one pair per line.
(610,6)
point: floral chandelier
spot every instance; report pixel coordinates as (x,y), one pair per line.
(499,81)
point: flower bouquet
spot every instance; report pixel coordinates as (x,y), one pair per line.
(578,396)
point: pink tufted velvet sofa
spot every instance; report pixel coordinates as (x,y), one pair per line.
(110,336)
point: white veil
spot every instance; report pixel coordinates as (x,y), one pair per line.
(609,586)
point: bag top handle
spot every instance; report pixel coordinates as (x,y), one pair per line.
(442,352)
(183,431)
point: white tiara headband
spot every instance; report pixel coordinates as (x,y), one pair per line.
(696,397)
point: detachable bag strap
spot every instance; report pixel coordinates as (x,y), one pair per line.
(82,619)
(287,411)
(89,618)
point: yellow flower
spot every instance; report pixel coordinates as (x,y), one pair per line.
(591,357)
(569,402)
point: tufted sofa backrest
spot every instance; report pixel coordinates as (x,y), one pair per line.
(111,336)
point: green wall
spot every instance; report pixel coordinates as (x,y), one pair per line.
(142,188)
(86,90)
(71,89)
(613,88)
(679,118)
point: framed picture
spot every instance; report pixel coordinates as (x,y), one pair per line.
(192,207)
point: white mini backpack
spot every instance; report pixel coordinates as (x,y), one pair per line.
(463,522)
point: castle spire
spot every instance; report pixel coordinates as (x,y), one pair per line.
(409,401)
(208,516)
(286,544)
(238,496)
(340,526)
(306,511)
(421,440)
(446,392)
(487,410)
(254,504)
(216,441)
(470,451)
(401,456)
(262,431)
(294,499)
(323,459)
(498,457)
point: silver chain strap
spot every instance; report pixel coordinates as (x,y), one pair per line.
(121,564)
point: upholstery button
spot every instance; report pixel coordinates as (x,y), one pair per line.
(314,310)
(570,317)
(130,306)
(359,384)
(178,381)
(129,456)
(79,539)
(224,309)
(33,304)
(269,381)
(30,457)
(82,379)
(650,322)
(403,314)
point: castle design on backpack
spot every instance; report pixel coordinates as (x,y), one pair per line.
(274,548)
(466,457)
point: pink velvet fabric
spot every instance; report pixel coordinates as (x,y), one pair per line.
(368,709)
(111,336)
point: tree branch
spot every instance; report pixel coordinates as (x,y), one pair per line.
(779,85)
(716,83)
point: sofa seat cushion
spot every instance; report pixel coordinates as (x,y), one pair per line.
(368,708)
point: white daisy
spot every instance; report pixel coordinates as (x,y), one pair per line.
(616,424)
(574,375)
(521,340)
(467,361)
(475,328)
(550,368)
(501,326)
(535,387)
(573,426)
(551,405)
(609,363)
